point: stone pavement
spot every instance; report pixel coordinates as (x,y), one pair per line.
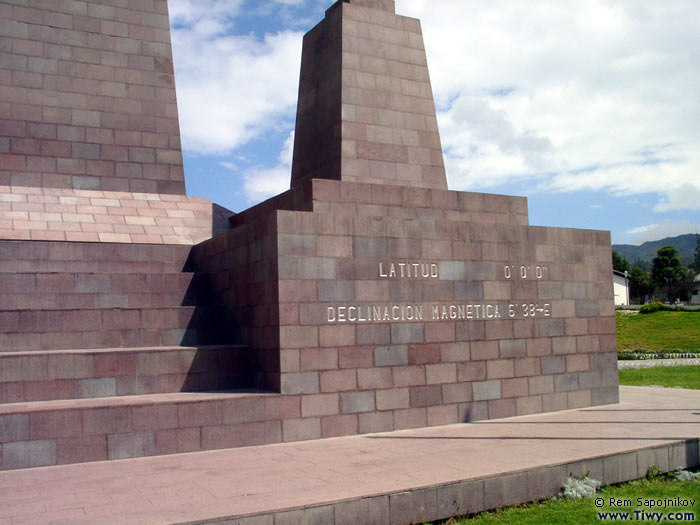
(398,477)
(649,363)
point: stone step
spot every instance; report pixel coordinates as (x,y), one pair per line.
(32,330)
(71,290)
(59,432)
(72,301)
(380,200)
(77,374)
(47,256)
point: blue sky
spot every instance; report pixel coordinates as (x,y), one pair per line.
(590,109)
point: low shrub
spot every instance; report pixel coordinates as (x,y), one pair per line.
(654,307)
(578,487)
(684,475)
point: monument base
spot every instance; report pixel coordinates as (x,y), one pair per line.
(389,307)
(353,308)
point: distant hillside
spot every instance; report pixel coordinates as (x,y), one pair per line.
(685,244)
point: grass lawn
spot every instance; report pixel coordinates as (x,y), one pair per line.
(668,376)
(584,511)
(658,331)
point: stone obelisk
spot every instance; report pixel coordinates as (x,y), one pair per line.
(366,110)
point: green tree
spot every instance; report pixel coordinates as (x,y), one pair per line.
(696,260)
(620,263)
(641,284)
(668,271)
(686,287)
(644,265)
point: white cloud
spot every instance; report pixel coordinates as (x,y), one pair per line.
(231,88)
(203,18)
(262,183)
(683,197)
(571,95)
(478,137)
(667,228)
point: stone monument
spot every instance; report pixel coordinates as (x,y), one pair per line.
(366,298)
(386,300)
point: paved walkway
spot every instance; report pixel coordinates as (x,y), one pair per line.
(649,363)
(314,476)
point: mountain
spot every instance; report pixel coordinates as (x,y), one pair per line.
(685,244)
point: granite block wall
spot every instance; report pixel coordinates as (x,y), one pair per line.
(420,316)
(243,277)
(87,96)
(526,326)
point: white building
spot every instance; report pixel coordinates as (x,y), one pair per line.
(695,294)
(621,288)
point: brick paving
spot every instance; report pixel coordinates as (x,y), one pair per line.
(397,477)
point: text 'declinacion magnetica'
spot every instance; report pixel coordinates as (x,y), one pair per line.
(429,312)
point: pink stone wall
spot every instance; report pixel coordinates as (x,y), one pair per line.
(384,375)
(243,274)
(87,97)
(552,347)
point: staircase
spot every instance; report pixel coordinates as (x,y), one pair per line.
(111,351)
